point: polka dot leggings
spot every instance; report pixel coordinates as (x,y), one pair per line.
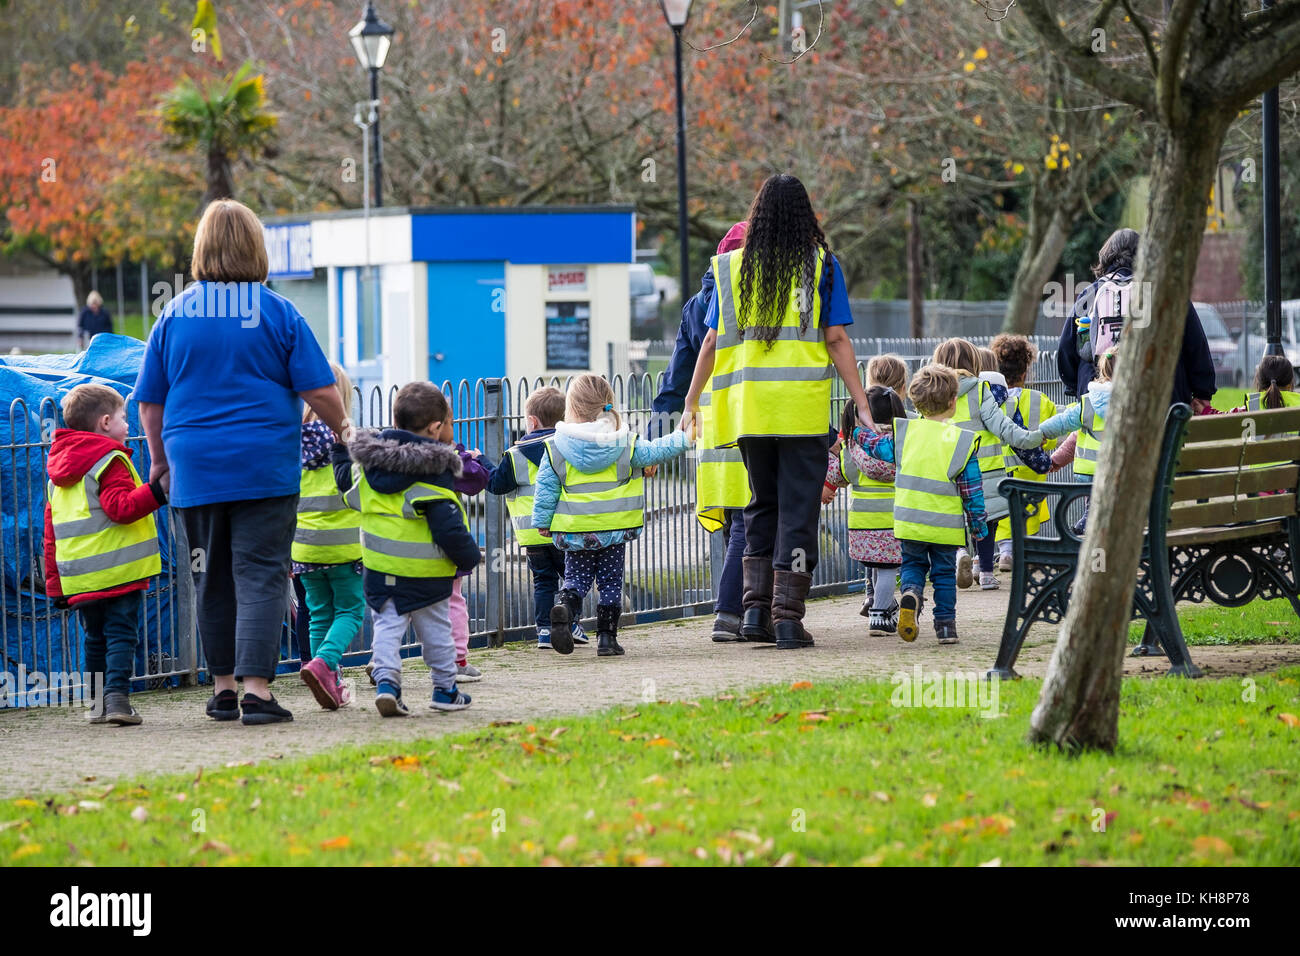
(603,567)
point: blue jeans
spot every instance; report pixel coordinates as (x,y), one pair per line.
(940,562)
(547,564)
(111,639)
(731,582)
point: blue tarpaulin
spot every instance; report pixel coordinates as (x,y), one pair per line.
(34,633)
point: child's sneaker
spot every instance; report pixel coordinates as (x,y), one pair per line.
(988,581)
(579,635)
(964,577)
(118,710)
(946,632)
(544,639)
(909,609)
(468,673)
(323,682)
(868,596)
(389,703)
(95,712)
(1005,561)
(370,673)
(883,622)
(451,699)
(726,628)
(346,697)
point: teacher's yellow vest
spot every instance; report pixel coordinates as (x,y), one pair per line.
(769,389)
(91,550)
(721,481)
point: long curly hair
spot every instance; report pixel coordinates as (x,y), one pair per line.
(780,246)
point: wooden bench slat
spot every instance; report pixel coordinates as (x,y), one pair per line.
(1226,454)
(1235,481)
(1230,511)
(1193,536)
(1206,428)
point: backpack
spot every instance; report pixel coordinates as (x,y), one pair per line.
(1104,310)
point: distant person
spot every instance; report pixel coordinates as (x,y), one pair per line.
(93,319)
(1096,321)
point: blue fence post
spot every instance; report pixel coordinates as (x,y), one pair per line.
(494,532)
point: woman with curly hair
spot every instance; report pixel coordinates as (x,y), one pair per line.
(776,339)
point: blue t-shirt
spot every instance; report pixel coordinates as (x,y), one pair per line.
(227,361)
(834,310)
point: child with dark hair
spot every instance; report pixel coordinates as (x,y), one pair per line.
(871,506)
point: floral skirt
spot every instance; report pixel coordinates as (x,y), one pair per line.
(875,547)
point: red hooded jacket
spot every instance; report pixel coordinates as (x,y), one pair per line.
(72,454)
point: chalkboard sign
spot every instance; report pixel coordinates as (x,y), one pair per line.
(568,335)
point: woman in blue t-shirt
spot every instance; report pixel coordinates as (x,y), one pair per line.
(225,372)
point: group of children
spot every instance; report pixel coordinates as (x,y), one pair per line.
(382,523)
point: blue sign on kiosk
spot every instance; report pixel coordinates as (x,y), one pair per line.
(288,250)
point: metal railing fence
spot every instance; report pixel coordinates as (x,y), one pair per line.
(671,567)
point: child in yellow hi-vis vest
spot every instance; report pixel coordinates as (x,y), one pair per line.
(516,478)
(101,543)
(590,502)
(871,507)
(414,538)
(327,558)
(937,494)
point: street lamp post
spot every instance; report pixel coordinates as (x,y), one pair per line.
(676,12)
(371,38)
(1272,234)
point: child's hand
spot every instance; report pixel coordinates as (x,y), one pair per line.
(828,494)
(687,424)
(474,453)
(650,470)
(544,532)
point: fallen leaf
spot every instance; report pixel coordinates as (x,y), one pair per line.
(337,843)
(996,861)
(24,802)
(881,796)
(814,715)
(785,860)
(407,762)
(90,805)
(255,804)
(27,849)
(1291,720)
(660,742)
(216,845)
(249,763)
(801,685)
(1207,846)
(509,782)
(451,785)
(929,800)
(778,717)
(567,843)
(505,723)
(557,731)
(635,713)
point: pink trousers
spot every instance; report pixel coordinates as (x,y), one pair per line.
(459,621)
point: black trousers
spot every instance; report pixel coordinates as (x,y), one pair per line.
(241,580)
(785,479)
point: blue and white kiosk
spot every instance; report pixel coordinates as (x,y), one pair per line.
(459,292)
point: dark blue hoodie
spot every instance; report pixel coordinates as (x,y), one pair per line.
(681,367)
(393,460)
(533,445)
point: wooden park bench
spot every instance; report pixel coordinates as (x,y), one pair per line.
(1214,531)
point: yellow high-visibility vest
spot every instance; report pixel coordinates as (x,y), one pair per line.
(1034,408)
(395,537)
(328,532)
(930,455)
(992,456)
(612,499)
(1255,403)
(871,502)
(781,388)
(721,481)
(520,501)
(1087,449)
(91,550)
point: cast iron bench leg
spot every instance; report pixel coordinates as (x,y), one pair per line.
(1150,646)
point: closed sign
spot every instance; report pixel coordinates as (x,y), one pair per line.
(566,279)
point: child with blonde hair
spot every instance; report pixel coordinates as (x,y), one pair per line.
(887,371)
(326,555)
(590,502)
(979,411)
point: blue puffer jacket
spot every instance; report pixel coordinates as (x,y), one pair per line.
(591,447)
(1070,418)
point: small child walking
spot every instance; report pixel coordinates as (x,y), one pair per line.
(937,495)
(887,371)
(1027,407)
(1087,421)
(871,509)
(414,538)
(590,502)
(101,542)
(516,478)
(326,557)
(473,479)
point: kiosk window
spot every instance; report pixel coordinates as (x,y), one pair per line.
(568,335)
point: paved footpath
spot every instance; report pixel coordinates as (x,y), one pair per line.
(54,749)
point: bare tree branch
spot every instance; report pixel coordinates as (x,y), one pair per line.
(1145,32)
(1265,55)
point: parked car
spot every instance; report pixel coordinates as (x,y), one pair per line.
(1223,349)
(647,302)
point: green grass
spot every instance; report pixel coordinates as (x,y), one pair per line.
(136,326)
(803,774)
(1259,622)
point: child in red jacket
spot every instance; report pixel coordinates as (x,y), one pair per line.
(101,545)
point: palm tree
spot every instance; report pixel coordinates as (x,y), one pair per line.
(225,119)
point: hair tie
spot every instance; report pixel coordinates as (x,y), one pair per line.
(609,408)
(1272,383)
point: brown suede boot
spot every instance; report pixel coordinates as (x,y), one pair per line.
(756,574)
(789,600)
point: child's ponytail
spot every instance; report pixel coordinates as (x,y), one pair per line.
(591,399)
(1274,374)
(1105,371)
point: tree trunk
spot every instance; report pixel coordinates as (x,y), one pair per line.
(1079,704)
(915,289)
(1044,243)
(219,181)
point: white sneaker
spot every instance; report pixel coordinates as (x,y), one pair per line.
(467,674)
(988,581)
(579,635)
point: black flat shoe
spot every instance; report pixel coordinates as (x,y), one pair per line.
(223,706)
(258,711)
